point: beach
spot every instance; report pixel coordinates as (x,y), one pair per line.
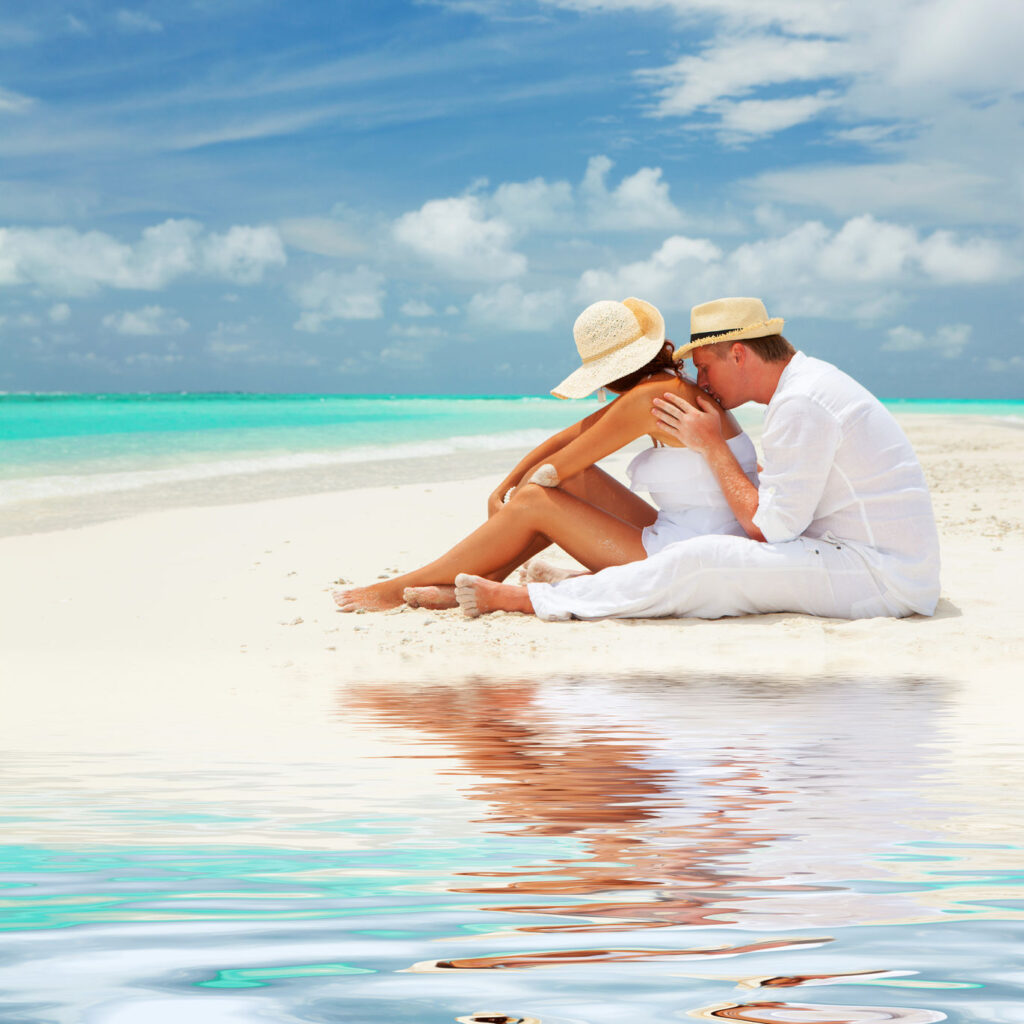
(225,801)
(247,587)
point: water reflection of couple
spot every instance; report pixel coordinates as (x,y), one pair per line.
(839,524)
(692,803)
(604,787)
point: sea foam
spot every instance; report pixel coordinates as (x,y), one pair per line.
(65,485)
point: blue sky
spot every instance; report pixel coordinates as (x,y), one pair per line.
(420,197)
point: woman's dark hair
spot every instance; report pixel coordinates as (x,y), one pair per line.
(661,363)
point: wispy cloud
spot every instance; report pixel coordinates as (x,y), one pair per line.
(14,103)
(147,321)
(948,342)
(136,21)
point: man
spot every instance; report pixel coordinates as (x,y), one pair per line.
(840,524)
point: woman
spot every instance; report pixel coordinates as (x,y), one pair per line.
(557,495)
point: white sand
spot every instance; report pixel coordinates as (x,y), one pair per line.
(142,620)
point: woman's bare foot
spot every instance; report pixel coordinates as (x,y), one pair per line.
(442,596)
(378,598)
(479,596)
(539,570)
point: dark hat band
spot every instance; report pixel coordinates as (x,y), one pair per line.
(713,334)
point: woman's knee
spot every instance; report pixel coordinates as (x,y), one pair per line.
(529,495)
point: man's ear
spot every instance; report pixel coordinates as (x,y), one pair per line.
(738,353)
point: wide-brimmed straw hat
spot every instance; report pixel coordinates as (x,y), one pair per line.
(728,320)
(613,339)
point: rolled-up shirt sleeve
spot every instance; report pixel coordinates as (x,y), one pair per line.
(799,442)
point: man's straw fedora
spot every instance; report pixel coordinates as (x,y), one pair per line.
(613,339)
(728,320)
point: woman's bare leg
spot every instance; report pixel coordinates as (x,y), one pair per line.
(442,595)
(602,490)
(594,486)
(536,514)
(597,488)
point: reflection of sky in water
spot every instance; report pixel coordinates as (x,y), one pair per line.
(574,851)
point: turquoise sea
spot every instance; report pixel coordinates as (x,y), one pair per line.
(66,459)
(77,458)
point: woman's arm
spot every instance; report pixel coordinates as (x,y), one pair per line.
(541,454)
(627,418)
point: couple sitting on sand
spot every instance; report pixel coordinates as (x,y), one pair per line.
(838,522)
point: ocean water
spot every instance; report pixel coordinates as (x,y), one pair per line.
(67,459)
(563,851)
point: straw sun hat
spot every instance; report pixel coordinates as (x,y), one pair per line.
(727,320)
(613,339)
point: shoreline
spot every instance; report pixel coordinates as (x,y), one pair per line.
(235,599)
(203,486)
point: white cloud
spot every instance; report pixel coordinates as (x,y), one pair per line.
(149,320)
(639,201)
(766,117)
(65,261)
(735,67)
(136,21)
(14,102)
(797,16)
(509,308)
(409,348)
(416,307)
(662,278)
(167,357)
(335,295)
(924,80)
(324,236)
(472,236)
(975,260)
(948,341)
(1015,364)
(223,349)
(957,193)
(457,237)
(812,269)
(59,313)
(868,250)
(415,331)
(535,205)
(243,253)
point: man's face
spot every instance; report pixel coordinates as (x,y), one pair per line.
(718,376)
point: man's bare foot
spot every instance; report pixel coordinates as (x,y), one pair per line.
(442,596)
(479,596)
(378,598)
(539,570)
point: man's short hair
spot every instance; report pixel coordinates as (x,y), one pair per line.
(773,349)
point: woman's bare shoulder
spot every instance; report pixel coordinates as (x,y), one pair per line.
(686,389)
(655,386)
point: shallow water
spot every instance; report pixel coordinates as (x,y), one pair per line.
(582,851)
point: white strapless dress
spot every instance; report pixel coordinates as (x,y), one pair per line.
(686,492)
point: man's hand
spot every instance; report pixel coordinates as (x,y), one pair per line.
(697,426)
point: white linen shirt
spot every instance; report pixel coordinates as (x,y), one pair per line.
(837,467)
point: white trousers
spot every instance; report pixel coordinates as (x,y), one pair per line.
(714,576)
